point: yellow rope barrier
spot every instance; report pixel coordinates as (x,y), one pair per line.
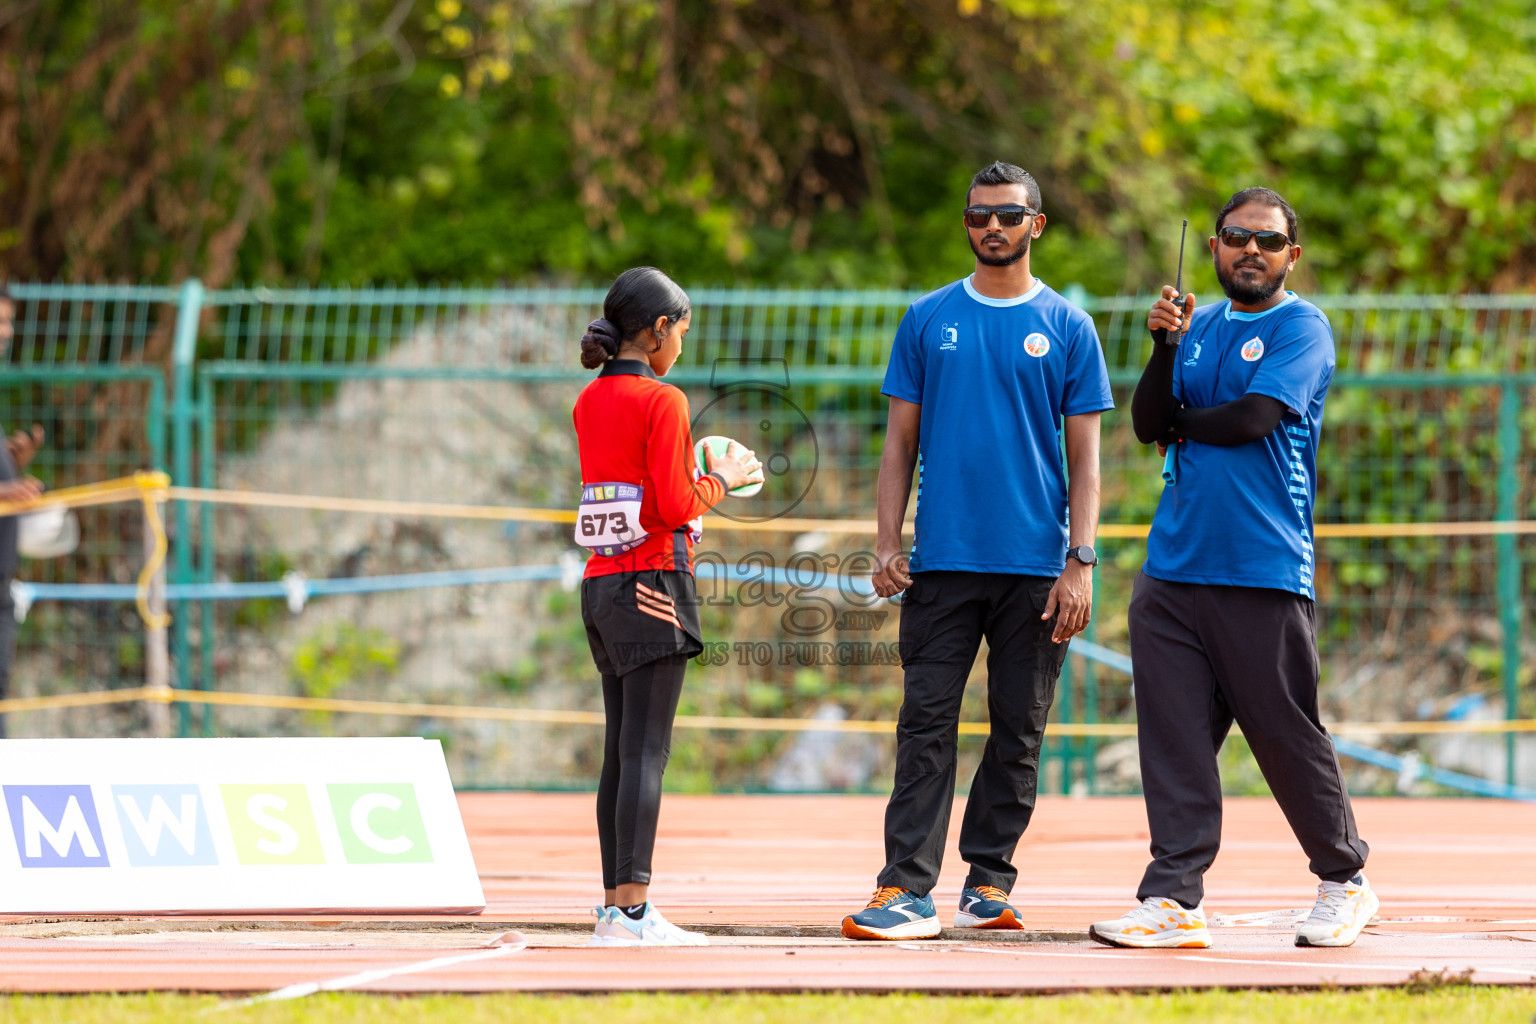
(148,489)
(551,716)
(145,485)
(835,526)
(93,698)
(105,492)
(499,513)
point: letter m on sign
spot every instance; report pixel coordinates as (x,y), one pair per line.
(55,826)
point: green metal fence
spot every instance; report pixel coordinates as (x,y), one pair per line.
(84,364)
(464,395)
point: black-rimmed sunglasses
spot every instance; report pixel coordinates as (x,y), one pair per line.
(1269,241)
(1010,215)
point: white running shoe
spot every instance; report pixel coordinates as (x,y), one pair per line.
(1341,911)
(604,929)
(1159,923)
(651,930)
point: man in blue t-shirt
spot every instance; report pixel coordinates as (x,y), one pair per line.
(1222,622)
(982,375)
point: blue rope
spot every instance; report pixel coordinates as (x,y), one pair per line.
(1442,776)
(279,589)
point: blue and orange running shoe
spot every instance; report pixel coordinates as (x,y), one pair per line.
(986,906)
(894,913)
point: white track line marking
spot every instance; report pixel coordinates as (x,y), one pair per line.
(1531,973)
(916,948)
(309,988)
(1231,960)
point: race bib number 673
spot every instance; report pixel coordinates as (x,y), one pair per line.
(608,519)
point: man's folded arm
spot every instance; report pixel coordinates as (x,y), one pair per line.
(1240,421)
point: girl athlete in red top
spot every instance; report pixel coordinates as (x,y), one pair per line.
(639,498)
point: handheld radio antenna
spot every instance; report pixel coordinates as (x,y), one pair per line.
(1161,334)
(1171,460)
(1178,279)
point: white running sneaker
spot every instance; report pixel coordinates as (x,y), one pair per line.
(1159,923)
(651,930)
(1341,910)
(604,929)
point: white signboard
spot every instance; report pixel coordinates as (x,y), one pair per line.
(217,825)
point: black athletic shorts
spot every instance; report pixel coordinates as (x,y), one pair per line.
(634,618)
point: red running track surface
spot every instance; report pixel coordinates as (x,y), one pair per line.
(1457,879)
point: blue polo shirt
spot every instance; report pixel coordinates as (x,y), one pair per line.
(994,378)
(1242,516)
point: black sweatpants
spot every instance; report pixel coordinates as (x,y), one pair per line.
(642,627)
(1205,656)
(944,616)
(640,706)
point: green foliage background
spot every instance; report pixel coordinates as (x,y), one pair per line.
(806,142)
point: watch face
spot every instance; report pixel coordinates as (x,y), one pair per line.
(1083,553)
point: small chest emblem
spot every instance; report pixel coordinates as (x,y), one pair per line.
(1037,345)
(1253,348)
(948,336)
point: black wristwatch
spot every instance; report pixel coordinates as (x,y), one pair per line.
(1084,553)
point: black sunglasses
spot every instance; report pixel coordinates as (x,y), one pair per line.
(1010,215)
(1269,241)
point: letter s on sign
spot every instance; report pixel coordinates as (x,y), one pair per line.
(366,805)
(256,809)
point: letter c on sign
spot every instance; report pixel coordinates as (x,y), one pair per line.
(256,809)
(365,806)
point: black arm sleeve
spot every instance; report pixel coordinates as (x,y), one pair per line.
(1237,422)
(1153,404)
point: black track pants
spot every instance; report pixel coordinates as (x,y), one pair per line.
(1205,656)
(944,616)
(640,706)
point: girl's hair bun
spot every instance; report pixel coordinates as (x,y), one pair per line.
(600,343)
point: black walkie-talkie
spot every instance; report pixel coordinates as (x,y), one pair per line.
(1161,335)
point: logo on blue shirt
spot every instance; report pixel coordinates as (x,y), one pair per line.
(1253,348)
(1037,345)
(949,335)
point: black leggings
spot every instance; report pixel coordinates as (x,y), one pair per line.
(640,706)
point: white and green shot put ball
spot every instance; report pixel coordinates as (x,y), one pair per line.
(718,446)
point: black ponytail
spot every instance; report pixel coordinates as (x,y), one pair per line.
(638,297)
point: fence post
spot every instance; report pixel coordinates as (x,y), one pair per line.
(157,659)
(1091,700)
(1507,548)
(1066,746)
(184,353)
(207,624)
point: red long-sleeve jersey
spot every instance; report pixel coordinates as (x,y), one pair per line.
(631,428)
